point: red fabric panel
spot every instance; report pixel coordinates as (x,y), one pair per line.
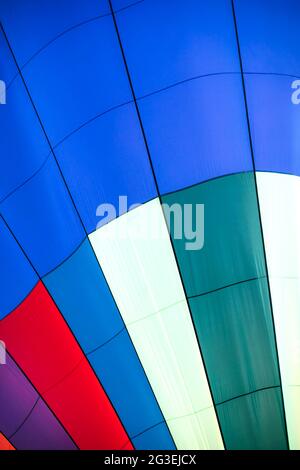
(4,444)
(41,343)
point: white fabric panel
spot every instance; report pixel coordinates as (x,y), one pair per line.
(137,259)
(195,431)
(279,197)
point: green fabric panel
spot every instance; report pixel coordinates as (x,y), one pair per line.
(233,246)
(234,327)
(254,422)
(229,300)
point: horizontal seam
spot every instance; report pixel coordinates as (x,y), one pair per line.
(45,46)
(25,419)
(66,31)
(193,185)
(194,413)
(21,301)
(27,179)
(106,342)
(164,195)
(207,75)
(272,73)
(47,406)
(129,102)
(248,393)
(68,374)
(227,286)
(65,259)
(86,354)
(125,103)
(156,312)
(169,193)
(147,429)
(89,121)
(182,82)
(128,6)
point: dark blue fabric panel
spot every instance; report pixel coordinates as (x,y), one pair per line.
(118,366)
(269,35)
(17,276)
(197,131)
(7,65)
(155,438)
(72,84)
(120,4)
(41,21)
(43,219)
(82,295)
(173,40)
(275,123)
(104,160)
(23,146)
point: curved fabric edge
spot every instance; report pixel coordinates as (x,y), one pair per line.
(279,197)
(136,256)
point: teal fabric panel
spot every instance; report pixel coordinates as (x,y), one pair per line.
(234,327)
(232,249)
(254,422)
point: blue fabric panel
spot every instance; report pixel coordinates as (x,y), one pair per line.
(71,85)
(269,35)
(117,365)
(17,276)
(23,146)
(82,295)
(156,438)
(173,40)
(7,65)
(197,131)
(43,219)
(120,4)
(275,123)
(104,160)
(42,21)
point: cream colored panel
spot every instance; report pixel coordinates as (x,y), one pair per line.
(137,259)
(279,197)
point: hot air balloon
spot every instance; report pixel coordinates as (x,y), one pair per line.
(149,224)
